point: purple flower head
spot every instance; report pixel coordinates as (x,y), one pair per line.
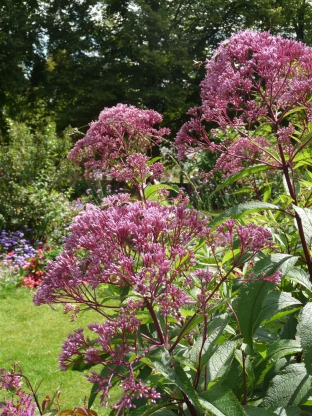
(10,381)
(137,170)
(242,151)
(252,78)
(119,132)
(14,249)
(22,404)
(134,244)
(254,75)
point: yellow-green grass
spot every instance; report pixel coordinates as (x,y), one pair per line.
(33,336)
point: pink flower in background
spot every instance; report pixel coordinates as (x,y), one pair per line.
(119,132)
(252,78)
(254,75)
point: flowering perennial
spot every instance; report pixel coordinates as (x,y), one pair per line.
(252,78)
(119,132)
(149,249)
(22,404)
(15,249)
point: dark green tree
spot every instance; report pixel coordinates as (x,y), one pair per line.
(69,59)
(21,55)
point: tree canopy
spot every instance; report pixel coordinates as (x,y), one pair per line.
(67,60)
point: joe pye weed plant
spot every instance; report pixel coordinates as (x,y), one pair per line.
(199,316)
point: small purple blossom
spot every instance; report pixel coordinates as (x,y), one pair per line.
(22,404)
(15,250)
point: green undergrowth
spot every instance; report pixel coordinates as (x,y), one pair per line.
(33,336)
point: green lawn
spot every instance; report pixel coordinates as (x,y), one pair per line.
(33,336)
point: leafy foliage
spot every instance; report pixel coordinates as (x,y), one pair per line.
(35,178)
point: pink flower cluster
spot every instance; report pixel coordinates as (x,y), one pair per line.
(147,247)
(137,170)
(119,132)
(22,404)
(241,151)
(252,78)
(251,238)
(134,388)
(256,75)
(143,246)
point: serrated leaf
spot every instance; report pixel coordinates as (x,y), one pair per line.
(248,306)
(214,331)
(281,348)
(93,394)
(220,361)
(288,411)
(305,215)
(290,388)
(240,175)
(270,264)
(165,365)
(299,276)
(221,401)
(162,412)
(275,305)
(302,158)
(257,411)
(238,211)
(305,333)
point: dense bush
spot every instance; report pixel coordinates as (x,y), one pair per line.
(35,178)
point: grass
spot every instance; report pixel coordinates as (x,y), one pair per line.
(33,336)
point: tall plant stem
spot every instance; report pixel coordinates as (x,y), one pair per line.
(293,195)
(156,322)
(189,405)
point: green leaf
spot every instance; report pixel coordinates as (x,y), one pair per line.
(269,265)
(93,394)
(248,306)
(275,305)
(295,110)
(302,158)
(305,215)
(151,190)
(239,175)
(299,276)
(290,388)
(288,411)
(220,361)
(172,371)
(264,335)
(257,411)
(276,350)
(238,211)
(221,401)
(289,329)
(214,330)
(305,332)
(281,348)
(161,409)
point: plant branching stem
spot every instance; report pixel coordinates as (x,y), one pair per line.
(293,195)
